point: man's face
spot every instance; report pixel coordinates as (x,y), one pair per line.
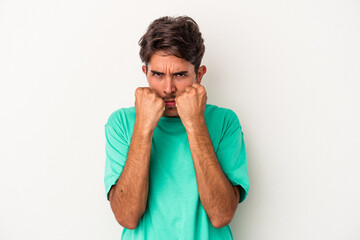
(169,76)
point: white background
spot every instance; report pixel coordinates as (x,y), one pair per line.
(289,69)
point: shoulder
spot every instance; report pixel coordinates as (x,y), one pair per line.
(122,116)
(220,115)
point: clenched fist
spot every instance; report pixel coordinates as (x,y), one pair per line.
(149,107)
(191,104)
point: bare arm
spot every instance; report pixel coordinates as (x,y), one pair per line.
(128,197)
(218,197)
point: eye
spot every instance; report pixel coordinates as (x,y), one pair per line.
(157,74)
(180,75)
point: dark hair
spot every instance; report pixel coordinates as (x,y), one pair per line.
(178,36)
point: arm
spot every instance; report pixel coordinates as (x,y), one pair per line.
(128,197)
(218,197)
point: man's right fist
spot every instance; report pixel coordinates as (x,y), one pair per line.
(149,107)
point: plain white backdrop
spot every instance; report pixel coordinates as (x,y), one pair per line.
(289,69)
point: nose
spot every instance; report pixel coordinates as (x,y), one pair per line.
(169,86)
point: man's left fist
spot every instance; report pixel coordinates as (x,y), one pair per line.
(191,104)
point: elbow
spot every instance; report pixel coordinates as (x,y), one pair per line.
(220,223)
(126,222)
(222,220)
(129,218)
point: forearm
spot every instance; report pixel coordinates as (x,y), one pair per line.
(216,193)
(128,198)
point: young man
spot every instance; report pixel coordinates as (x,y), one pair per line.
(175,166)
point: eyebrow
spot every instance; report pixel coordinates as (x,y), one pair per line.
(181,72)
(156,72)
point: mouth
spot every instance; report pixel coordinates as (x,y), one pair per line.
(170,103)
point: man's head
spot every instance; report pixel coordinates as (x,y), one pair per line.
(172,50)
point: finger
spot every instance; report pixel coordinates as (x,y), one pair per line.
(196,85)
(139,91)
(201,89)
(187,89)
(154,91)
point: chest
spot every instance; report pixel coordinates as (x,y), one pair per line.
(171,156)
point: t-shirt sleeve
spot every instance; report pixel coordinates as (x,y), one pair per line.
(231,154)
(116,149)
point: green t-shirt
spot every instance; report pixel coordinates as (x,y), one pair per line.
(174,209)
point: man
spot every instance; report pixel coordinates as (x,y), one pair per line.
(175,166)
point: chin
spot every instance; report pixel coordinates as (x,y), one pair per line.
(171,112)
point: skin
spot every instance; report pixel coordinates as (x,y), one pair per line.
(170,77)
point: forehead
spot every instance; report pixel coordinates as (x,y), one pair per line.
(163,61)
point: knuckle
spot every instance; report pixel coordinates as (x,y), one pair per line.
(152,94)
(139,90)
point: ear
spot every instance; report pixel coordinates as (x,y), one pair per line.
(200,73)
(144,69)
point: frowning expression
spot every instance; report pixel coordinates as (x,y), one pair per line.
(169,76)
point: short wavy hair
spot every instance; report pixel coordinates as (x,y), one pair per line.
(177,36)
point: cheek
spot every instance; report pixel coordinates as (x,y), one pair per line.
(153,84)
(183,84)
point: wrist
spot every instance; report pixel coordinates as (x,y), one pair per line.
(143,127)
(197,125)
